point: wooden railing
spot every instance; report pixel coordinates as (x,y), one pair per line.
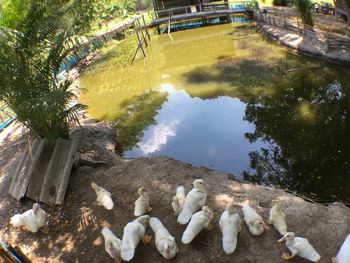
(197,8)
(325,39)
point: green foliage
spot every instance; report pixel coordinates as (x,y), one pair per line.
(281,2)
(304,8)
(13,12)
(79,13)
(87,11)
(29,64)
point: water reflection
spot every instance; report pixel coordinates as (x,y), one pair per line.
(200,132)
(138,113)
(224,98)
(300,110)
(307,127)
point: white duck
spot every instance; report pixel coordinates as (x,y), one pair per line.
(178,199)
(299,246)
(133,233)
(104,198)
(230,225)
(112,244)
(165,242)
(142,203)
(253,220)
(195,199)
(343,255)
(32,219)
(198,221)
(278,218)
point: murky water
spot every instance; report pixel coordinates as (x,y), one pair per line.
(224,98)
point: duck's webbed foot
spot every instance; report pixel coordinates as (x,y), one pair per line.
(146,239)
(210,227)
(45,229)
(285,256)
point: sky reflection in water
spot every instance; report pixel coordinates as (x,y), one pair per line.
(191,130)
(224,98)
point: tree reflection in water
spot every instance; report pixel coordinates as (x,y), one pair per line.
(300,108)
(307,125)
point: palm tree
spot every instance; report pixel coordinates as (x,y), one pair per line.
(30,60)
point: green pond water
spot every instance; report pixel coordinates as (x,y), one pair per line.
(223,97)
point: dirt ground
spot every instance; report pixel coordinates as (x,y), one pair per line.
(75,228)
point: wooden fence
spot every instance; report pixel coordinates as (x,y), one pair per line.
(326,40)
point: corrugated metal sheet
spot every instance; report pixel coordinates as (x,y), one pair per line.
(25,168)
(45,177)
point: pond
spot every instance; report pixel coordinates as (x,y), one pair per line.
(224,98)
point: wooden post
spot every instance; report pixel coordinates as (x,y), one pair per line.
(142,33)
(145,26)
(154,10)
(284,18)
(169,25)
(139,41)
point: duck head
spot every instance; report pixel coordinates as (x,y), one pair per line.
(277,203)
(167,247)
(113,249)
(200,185)
(143,220)
(207,211)
(259,224)
(230,207)
(36,208)
(287,237)
(142,191)
(176,204)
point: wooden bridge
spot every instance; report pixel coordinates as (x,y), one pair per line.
(198,12)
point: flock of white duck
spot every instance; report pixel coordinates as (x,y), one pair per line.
(191,210)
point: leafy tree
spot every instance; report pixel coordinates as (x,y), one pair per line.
(13,12)
(29,65)
(85,12)
(304,8)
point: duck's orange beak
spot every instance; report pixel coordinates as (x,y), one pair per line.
(281,239)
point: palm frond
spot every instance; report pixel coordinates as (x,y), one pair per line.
(29,63)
